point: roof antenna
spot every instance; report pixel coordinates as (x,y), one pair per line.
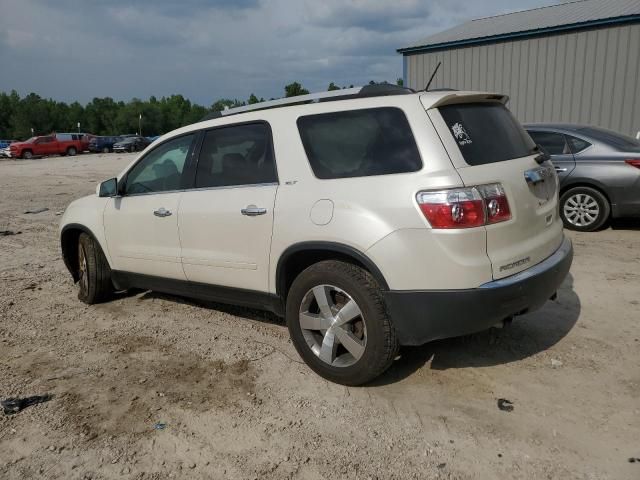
(426,89)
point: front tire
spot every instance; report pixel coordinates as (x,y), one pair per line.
(338,323)
(584,209)
(93,271)
(27,155)
(71,151)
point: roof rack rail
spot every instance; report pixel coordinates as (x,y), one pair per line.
(378,90)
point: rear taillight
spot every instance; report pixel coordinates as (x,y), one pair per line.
(495,201)
(454,208)
(465,207)
(634,162)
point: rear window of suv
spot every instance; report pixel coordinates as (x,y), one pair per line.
(359,143)
(486,132)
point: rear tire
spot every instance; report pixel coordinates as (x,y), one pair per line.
(71,151)
(584,209)
(94,272)
(105,150)
(349,352)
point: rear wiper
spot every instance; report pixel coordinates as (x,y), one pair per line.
(542,156)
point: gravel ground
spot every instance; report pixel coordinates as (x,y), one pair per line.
(236,401)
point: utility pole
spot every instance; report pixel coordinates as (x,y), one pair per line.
(140,125)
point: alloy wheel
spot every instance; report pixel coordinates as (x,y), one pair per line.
(333,325)
(83,269)
(581,210)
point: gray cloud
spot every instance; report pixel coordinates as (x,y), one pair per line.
(207,49)
(377,16)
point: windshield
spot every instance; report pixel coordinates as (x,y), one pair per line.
(613,139)
(30,140)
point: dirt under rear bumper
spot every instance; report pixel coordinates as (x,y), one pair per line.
(420,316)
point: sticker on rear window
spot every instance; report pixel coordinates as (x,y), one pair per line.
(460,134)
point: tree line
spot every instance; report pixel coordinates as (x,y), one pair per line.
(23,117)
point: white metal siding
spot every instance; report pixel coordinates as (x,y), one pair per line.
(588,77)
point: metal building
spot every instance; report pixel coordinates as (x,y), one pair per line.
(574,62)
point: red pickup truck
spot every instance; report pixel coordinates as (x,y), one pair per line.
(54,144)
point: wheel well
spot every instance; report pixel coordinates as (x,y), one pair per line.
(292,263)
(69,244)
(585,184)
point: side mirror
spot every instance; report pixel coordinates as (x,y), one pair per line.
(108,188)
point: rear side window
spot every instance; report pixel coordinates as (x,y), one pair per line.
(577,144)
(359,143)
(486,132)
(554,143)
(236,155)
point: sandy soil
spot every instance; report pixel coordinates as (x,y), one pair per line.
(237,402)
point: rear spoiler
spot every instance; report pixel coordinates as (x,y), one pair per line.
(464,97)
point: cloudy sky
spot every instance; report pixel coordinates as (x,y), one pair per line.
(208,49)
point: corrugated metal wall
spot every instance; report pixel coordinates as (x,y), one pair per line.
(590,77)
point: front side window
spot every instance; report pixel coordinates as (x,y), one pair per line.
(236,155)
(554,143)
(161,169)
(359,143)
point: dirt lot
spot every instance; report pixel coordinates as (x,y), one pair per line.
(237,402)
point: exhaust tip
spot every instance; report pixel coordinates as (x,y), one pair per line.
(504,323)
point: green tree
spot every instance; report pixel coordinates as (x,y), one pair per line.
(33,112)
(294,89)
(8,107)
(253,99)
(220,105)
(332,86)
(400,82)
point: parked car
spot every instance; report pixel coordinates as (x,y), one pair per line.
(4,148)
(83,138)
(131,144)
(599,172)
(400,218)
(103,144)
(54,144)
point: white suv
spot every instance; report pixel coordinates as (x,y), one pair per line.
(369,218)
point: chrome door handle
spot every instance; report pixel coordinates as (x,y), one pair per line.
(252,211)
(558,169)
(162,212)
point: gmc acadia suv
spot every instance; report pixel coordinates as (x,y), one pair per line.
(369,218)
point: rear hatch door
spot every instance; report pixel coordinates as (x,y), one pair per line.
(487,145)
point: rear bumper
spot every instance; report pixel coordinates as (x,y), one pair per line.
(421,316)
